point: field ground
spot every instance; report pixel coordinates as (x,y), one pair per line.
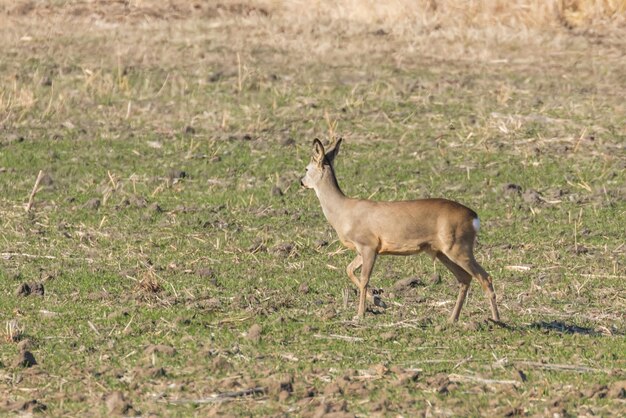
(171,265)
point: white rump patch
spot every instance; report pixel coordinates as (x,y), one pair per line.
(476,224)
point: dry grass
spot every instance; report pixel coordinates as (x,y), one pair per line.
(410,16)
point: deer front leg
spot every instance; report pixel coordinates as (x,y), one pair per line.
(355,264)
(373,298)
(368,256)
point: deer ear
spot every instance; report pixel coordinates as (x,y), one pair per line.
(331,154)
(318,151)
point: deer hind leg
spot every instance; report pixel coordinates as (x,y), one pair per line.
(470,265)
(487,284)
(464,279)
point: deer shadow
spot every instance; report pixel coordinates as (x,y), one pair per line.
(564,328)
(555,326)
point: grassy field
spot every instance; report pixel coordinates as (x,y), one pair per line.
(168,262)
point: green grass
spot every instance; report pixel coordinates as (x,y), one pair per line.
(436,128)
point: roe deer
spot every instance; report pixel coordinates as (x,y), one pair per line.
(439,227)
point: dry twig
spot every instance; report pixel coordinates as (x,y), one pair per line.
(562,367)
(221,397)
(31,198)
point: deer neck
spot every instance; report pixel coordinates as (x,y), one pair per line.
(331,198)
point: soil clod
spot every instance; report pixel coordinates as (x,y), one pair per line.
(404,285)
(276,191)
(532,197)
(160,349)
(30,407)
(27,289)
(175,174)
(511,189)
(92,204)
(24,359)
(304,288)
(254,333)
(117,404)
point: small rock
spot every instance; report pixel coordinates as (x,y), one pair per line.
(116,403)
(254,333)
(92,204)
(406,284)
(24,359)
